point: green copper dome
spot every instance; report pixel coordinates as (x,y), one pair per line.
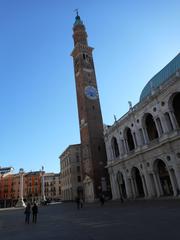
(161,77)
(78,21)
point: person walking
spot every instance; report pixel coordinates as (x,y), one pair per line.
(27,213)
(34,212)
(78,202)
(102,199)
(81,203)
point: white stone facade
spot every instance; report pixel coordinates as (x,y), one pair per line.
(71,179)
(52,183)
(143,147)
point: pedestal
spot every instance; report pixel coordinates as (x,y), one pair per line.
(20,203)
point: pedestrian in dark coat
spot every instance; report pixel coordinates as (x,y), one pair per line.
(81,202)
(78,202)
(27,213)
(102,199)
(34,212)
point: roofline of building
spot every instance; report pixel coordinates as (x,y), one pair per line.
(140,104)
(72,145)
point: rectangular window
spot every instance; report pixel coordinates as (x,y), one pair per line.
(79,178)
(77,158)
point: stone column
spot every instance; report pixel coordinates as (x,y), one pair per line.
(128,187)
(148,184)
(133,187)
(20,202)
(126,145)
(173,183)
(113,183)
(157,127)
(43,198)
(144,186)
(156,184)
(163,123)
(146,139)
(110,152)
(173,120)
(134,139)
(177,175)
(123,146)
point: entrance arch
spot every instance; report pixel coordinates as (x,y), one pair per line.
(164,178)
(121,185)
(138,184)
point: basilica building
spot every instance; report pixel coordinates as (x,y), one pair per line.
(143,146)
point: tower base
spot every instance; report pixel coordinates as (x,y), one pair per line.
(88,189)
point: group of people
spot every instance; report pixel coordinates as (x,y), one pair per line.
(79,201)
(28,210)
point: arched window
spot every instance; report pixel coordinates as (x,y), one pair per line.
(151,127)
(176,107)
(129,137)
(115,147)
(137,180)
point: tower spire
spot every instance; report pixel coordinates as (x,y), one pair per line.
(80,35)
(76,10)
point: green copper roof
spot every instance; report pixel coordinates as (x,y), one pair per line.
(78,21)
(161,77)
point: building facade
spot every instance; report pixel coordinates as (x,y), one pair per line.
(32,187)
(10,188)
(93,152)
(143,146)
(7,194)
(52,182)
(71,178)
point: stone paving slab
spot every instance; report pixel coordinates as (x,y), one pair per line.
(130,220)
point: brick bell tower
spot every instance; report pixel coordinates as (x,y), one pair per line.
(94,159)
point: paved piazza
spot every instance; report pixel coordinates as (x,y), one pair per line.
(140,219)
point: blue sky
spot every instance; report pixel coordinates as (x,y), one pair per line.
(133,40)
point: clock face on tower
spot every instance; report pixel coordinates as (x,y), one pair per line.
(91,92)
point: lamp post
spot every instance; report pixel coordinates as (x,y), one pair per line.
(20,202)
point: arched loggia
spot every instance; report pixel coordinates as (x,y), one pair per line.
(150,127)
(164,178)
(138,184)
